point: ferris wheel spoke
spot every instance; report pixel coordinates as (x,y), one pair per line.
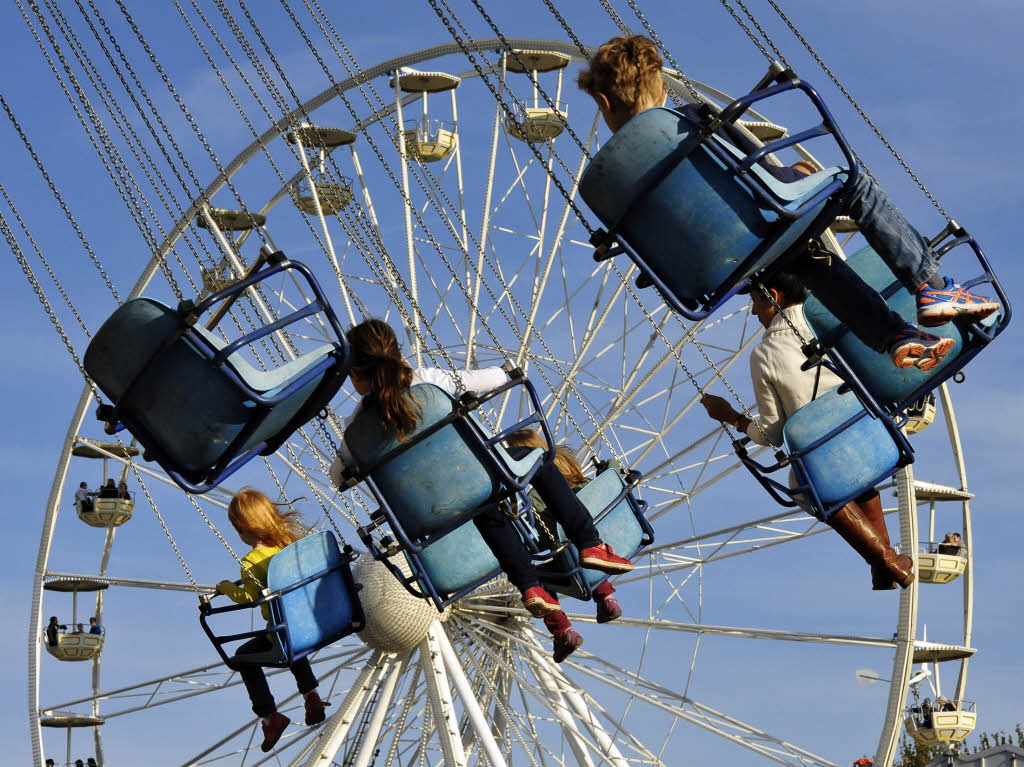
(174,688)
(689,710)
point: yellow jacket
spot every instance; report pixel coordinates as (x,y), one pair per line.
(254,578)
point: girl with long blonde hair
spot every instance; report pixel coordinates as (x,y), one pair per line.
(382,377)
(267,527)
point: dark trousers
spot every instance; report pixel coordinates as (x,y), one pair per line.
(506,545)
(255,680)
(850,299)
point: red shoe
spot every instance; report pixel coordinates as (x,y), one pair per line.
(539,602)
(273,728)
(315,708)
(566,644)
(608,609)
(601,557)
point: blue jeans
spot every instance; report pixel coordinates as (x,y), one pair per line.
(900,245)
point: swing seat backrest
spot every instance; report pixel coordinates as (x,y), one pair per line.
(440,480)
(700,222)
(187,410)
(462,558)
(888,384)
(851,462)
(323,610)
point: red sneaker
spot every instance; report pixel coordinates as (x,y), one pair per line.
(539,602)
(601,557)
(566,644)
(273,728)
(315,708)
(608,609)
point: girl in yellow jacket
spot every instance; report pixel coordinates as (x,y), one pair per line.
(260,523)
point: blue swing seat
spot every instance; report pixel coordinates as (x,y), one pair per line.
(461,561)
(445,472)
(696,214)
(893,388)
(838,451)
(313,602)
(197,407)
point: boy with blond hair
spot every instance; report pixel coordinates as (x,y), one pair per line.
(624,77)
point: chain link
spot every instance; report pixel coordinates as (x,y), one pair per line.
(860,111)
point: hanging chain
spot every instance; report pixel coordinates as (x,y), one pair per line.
(765,35)
(753,38)
(860,111)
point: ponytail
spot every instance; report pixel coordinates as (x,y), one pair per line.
(377,358)
(565,461)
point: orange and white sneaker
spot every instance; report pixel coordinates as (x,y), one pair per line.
(912,347)
(937,306)
(539,603)
(601,557)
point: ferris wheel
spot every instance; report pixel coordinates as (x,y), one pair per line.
(432,195)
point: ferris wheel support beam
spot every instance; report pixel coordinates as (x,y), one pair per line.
(470,704)
(383,704)
(556,703)
(440,696)
(906,625)
(486,223)
(968,576)
(35,624)
(544,665)
(331,254)
(410,244)
(334,733)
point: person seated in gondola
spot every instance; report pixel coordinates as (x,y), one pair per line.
(83,497)
(781,388)
(94,627)
(52,629)
(624,77)
(950,544)
(268,528)
(122,491)
(382,377)
(109,489)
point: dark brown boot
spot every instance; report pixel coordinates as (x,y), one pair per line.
(872,509)
(851,523)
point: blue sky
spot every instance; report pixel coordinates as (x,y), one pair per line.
(938,78)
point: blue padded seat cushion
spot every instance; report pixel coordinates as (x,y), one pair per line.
(459,559)
(852,461)
(886,382)
(438,481)
(321,611)
(188,406)
(700,222)
(619,528)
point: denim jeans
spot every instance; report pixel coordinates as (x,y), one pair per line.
(896,242)
(888,232)
(503,540)
(255,680)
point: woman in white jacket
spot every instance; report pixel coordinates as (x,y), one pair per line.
(782,387)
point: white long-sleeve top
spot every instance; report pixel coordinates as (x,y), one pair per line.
(780,386)
(479,381)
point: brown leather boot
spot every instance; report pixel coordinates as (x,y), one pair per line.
(872,508)
(852,524)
